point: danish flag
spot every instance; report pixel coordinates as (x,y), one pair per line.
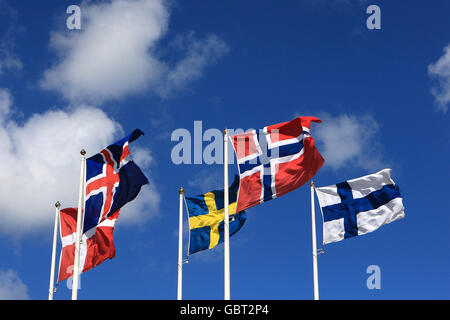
(278,159)
(96,245)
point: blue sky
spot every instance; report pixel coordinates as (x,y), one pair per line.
(382,94)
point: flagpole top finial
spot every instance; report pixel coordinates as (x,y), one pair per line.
(83,152)
(225,131)
(312,184)
(181,191)
(57,204)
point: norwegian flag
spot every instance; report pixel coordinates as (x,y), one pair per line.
(275,161)
(112,180)
(96,244)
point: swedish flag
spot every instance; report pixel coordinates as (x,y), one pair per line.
(206,215)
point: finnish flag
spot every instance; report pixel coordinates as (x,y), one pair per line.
(359,206)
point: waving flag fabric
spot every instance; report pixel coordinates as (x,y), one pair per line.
(96,244)
(275,161)
(359,206)
(112,180)
(206,216)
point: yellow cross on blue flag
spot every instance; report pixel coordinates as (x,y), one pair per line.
(206,215)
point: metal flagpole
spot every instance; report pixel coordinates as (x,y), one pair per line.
(76,264)
(226,220)
(314,244)
(180,246)
(52,267)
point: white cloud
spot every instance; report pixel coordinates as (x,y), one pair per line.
(9,63)
(116,53)
(8,59)
(5,102)
(348,140)
(199,53)
(41,164)
(11,287)
(206,180)
(440,70)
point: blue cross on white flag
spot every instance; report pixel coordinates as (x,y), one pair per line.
(359,206)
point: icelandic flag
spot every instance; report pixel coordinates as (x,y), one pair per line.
(112,180)
(359,206)
(96,244)
(275,161)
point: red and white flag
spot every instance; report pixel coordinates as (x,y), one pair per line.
(96,245)
(278,159)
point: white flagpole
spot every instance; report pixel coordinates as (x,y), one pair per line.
(76,264)
(52,267)
(226,220)
(314,244)
(180,246)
